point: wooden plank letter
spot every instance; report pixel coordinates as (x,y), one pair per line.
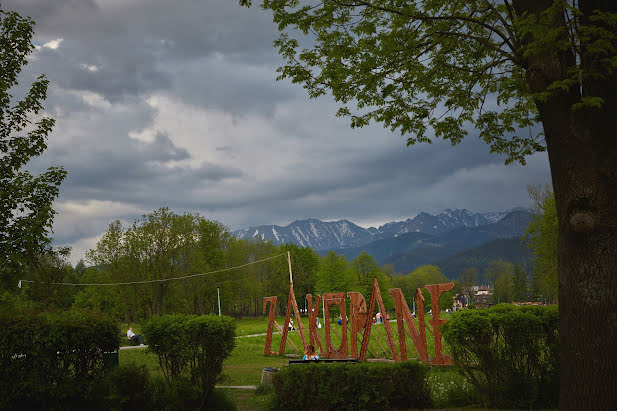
(357,316)
(403,315)
(291,303)
(339,300)
(313,315)
(436,291)
(376,296)
(272,301)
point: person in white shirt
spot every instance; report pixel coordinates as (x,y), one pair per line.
(134,337)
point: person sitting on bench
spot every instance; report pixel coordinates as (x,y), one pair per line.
(310,353)
(134,337)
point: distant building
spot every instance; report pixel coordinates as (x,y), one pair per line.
(482,297)
(460,302)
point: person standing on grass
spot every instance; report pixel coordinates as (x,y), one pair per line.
(134,337)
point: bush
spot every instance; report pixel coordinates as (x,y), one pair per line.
(352,386)
(191,347)
(510,354)
(178,394)
(54,360)
(128,386)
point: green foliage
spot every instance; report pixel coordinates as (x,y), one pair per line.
(54,360)
(128,386)
(179,394)
(104,299)
(541,236)
(450,389)
(429,69)
(365,269)
(335,275)
(191,348)
(507,249)
(46,269)
(504,288)
(352,386)
(521,289)
(497,268)
(510,354)
(425,69)
(418,278)
(467,279)
(26,212)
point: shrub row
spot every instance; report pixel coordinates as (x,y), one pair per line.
(352,386)
(131,387)
(54,360)
(191,348)
(510,354)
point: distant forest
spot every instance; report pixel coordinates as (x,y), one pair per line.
(164,245)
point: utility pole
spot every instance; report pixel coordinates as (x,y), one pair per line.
(218,296)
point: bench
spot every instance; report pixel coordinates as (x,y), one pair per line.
(328,360)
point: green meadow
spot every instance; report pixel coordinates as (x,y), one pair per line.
(247,361)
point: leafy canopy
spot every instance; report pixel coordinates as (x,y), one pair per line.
(440,68)
(25,199)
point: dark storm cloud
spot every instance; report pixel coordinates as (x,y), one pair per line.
(136,47)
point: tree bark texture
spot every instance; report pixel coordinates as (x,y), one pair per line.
(582,149)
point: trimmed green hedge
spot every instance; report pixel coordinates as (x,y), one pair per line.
(363,385)
(510,354)
(191,347)
(54,360)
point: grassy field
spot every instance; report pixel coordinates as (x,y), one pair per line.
(244,366)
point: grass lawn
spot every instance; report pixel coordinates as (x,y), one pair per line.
(245,364)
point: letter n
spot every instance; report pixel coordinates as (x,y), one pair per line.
(403,315)
(436,291)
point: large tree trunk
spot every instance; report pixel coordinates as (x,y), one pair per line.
(584,173)
(582,149)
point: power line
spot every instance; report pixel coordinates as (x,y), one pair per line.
(162,279)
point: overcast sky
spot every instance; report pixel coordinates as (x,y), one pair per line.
(174,103)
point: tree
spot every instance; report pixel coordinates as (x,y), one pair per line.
(161,246)
(504,287)
(521,290)
(418,278)
(541,236)
(496,268)
(334,274)
(46,269)
(365,269)
(304,266)
(441,68)
(468,278)
(109,256)
(26,212)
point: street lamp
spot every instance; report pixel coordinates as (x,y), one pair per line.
(218,296)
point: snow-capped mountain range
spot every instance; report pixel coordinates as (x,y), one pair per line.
(321,235)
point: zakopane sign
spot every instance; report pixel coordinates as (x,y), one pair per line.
(360,320)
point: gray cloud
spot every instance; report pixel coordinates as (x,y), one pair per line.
(174,104)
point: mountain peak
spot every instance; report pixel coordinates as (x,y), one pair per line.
(322,235)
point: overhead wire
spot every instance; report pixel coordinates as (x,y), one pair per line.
(160,280)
